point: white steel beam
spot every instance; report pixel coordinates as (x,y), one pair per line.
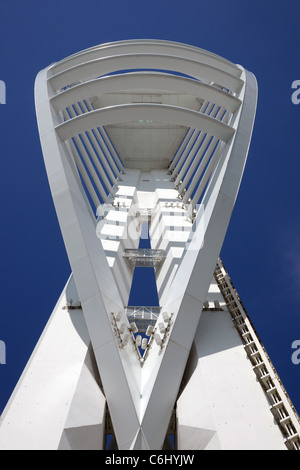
(139,112)
(180,150)
(205,177)
(190,285)
(200,169)
(205,108)
(83,143)
(100,67)
(111,153)
(199,142)
(88,137)
(140,80)
(96,287)
(97,138)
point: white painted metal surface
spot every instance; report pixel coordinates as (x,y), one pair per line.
(43,406)
(229,410)
(121,149)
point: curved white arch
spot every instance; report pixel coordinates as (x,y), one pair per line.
(153,47)
(141,416)
(106,65)
(136,112)
(137,80)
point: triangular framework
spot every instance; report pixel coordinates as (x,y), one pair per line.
(211,154)
(121,148)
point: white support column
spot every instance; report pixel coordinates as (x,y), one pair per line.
(190,138)
(85,136)
(99,150)
(180,149)
(204,178)
(111,148)
(199,139)
(196,144)
(111,154)
(85,175)
(75,142)
(203,149)
(106,140)
(195,180)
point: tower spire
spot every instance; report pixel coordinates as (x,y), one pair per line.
(126,143)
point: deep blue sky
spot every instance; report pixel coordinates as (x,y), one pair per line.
(262,246)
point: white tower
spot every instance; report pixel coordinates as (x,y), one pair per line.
(147,134)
